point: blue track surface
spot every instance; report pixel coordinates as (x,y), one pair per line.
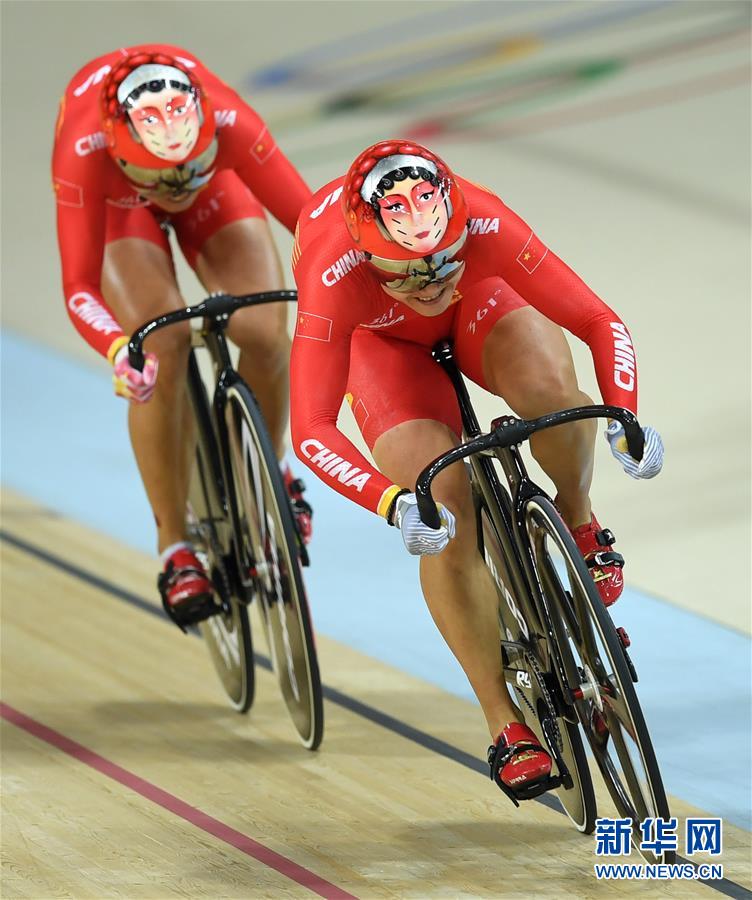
(65,444)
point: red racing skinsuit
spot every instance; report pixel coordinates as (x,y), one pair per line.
(96,204)
(353,340)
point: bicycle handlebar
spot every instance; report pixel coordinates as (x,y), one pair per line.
(214,307)
(509,430)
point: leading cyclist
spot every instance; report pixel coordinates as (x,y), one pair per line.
(149,139)
(420,255)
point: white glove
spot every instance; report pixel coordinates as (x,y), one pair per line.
(419,538)
(652,458)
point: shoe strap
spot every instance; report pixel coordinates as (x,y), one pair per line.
(173,573)
(605,558)
(501,753)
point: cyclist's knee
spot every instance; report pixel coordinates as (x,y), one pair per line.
(455,494)
(171,345)
(547,391)
(266,344)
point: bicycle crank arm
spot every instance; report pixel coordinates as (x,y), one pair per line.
(564,776)
(512,651)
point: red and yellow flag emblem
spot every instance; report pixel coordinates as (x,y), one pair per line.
(532,254)
(316,328)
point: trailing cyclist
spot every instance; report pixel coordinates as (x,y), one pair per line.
(388,260)
(149,140)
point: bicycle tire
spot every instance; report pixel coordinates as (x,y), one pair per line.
(588,627)
(228,634)
(578,801)
(269,546)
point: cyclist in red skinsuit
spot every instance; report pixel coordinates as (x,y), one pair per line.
(147,139)
(422,255)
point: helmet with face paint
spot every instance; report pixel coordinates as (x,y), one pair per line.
(404,209)
(159,124)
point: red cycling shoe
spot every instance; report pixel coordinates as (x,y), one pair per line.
(301,509)
(519,764)
(187,593)
(605,565)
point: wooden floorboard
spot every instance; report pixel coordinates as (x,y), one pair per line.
(373,813)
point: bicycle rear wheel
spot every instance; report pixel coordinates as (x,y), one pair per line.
(227,634)
(535,700)
(270,553)
(600,676)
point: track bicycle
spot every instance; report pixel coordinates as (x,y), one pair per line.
(240,521)
(568,666)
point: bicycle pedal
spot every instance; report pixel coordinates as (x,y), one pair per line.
(531,791)
(623,637)
(193,612)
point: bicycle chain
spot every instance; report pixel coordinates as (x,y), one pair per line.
(533,663)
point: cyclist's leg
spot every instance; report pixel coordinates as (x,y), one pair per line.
(512,350)
(407,412)
(138,282)
(226,239)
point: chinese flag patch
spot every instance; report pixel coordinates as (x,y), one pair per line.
(316,328)
(532,254)
(263,147)
(67,193)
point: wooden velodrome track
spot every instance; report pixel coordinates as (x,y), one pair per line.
(126,775)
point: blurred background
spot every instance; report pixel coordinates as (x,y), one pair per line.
(619,130)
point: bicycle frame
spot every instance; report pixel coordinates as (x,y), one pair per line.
(518,582)
(210,414)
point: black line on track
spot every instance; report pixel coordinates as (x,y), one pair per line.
(422,738)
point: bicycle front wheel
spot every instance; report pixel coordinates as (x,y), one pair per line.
(227,635)
(600,676)
(269,553)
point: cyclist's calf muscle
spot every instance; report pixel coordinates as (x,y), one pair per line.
(457,586)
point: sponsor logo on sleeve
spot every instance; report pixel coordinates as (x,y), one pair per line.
(343,266)
(334,466)
(624,357)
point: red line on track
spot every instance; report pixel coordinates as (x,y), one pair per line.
(178,807)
